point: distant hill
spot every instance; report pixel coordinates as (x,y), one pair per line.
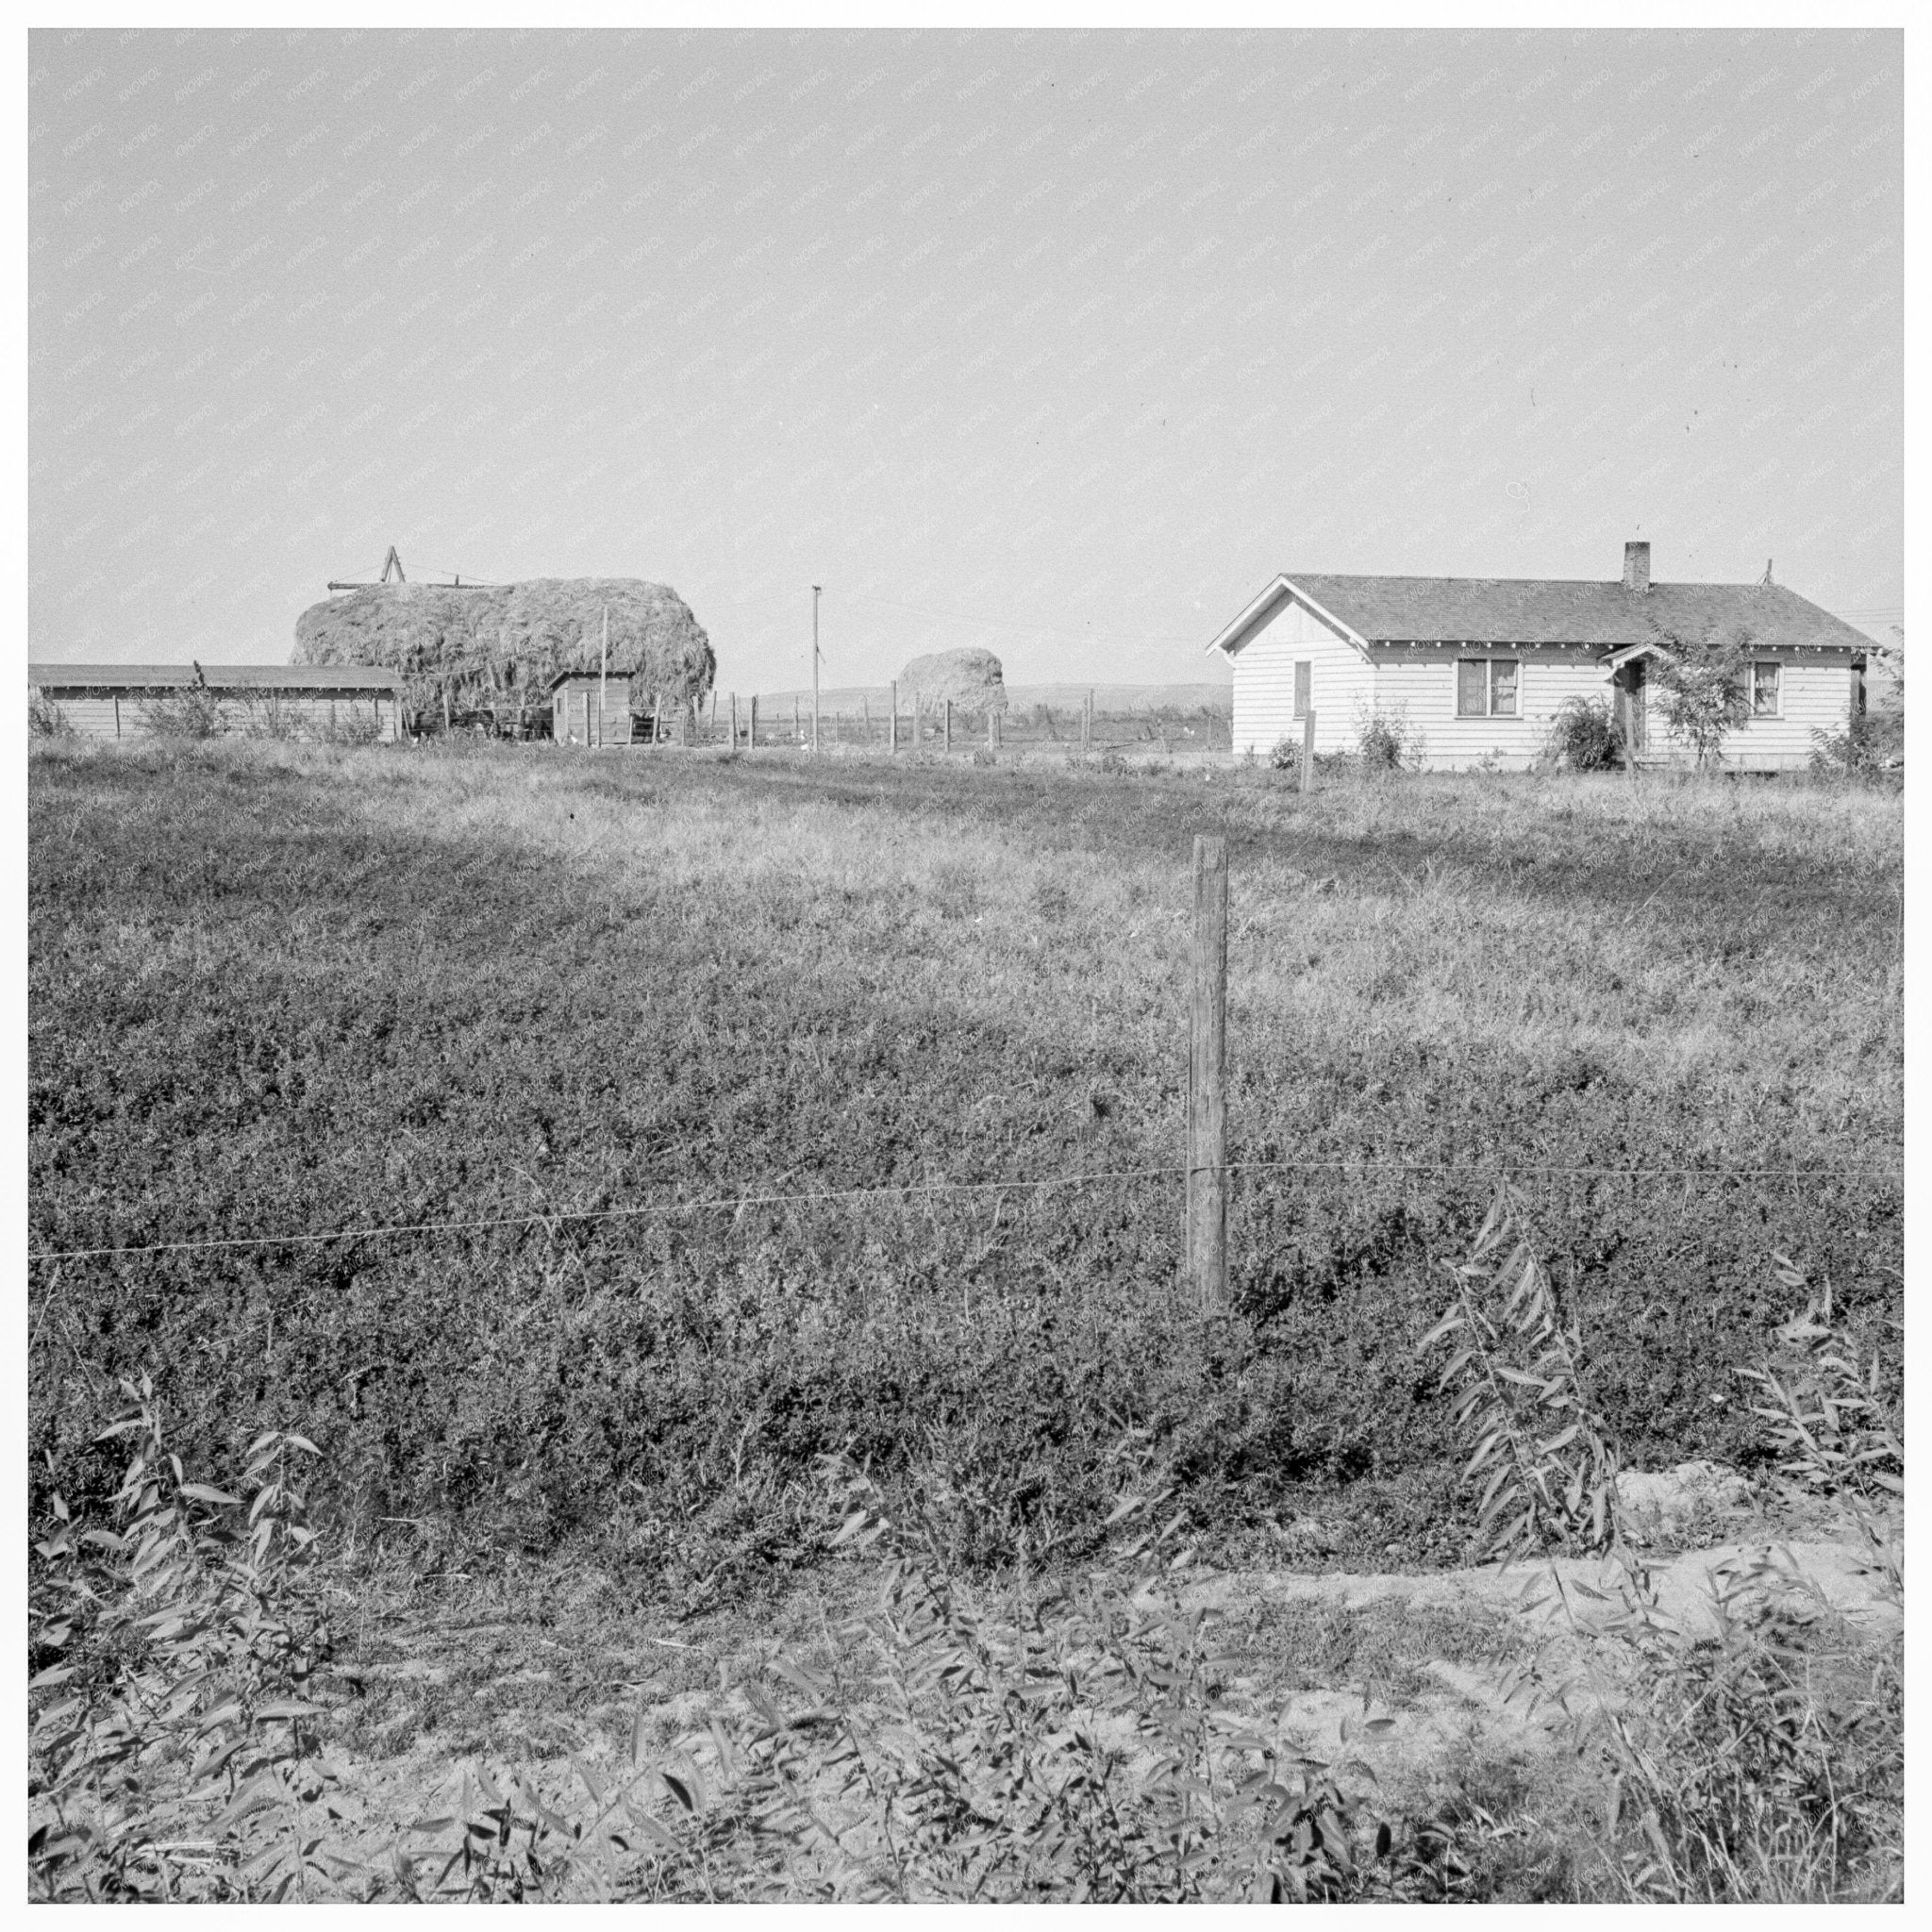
(1110,700)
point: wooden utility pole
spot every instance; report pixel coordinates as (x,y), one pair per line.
(1206,1202)
(1309,753)
(603,678)
(815,666)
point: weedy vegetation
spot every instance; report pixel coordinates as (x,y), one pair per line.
(45,719)
(1583,737)
(1751,1747)
(283,990)
(1386,740)
(193,712)
(1871,749)
(1094,1738)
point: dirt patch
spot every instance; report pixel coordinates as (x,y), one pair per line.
(1429,1655)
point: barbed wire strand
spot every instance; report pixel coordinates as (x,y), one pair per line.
(551,1217)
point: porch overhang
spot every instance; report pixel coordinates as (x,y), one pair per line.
(1628,653)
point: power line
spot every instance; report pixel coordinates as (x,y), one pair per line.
(739,1202)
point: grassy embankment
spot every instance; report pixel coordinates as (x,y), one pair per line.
(279,991)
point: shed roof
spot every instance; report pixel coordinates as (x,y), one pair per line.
(620,678)
(1546,610)
(264,678)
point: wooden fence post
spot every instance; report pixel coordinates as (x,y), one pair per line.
(1206,1200)
(894,745)
(1308,752)
(949,723)
(992,730)
(1087,721)
(734,721)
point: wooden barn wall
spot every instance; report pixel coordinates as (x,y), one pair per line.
(575,710)
(307,714)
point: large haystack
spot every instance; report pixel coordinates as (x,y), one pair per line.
(970,679)
(498,648)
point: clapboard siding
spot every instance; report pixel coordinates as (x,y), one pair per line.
(1339,684)
(1419,687)
(1816,697)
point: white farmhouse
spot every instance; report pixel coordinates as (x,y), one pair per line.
(1477,668)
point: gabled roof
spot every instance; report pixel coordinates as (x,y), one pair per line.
(305,678)
(1544,610)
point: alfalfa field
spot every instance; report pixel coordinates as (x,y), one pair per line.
(577,1148)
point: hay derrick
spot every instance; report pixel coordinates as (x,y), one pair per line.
(971,679)
(496,649)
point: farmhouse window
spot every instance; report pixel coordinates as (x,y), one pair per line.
(1764,690)
(1486,688)
(1304,685)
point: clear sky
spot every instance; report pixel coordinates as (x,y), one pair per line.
(1060,344)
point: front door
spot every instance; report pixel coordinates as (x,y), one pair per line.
(1632,705)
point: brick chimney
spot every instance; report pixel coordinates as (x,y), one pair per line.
(1636,566)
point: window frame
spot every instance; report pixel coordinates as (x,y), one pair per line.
(1488,663)
(1777,669)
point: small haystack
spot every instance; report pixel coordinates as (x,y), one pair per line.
(970,679)
(497,648)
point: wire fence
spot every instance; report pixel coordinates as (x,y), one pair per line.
(785,723)
(751,1197)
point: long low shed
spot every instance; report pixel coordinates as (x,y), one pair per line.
(360,701)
